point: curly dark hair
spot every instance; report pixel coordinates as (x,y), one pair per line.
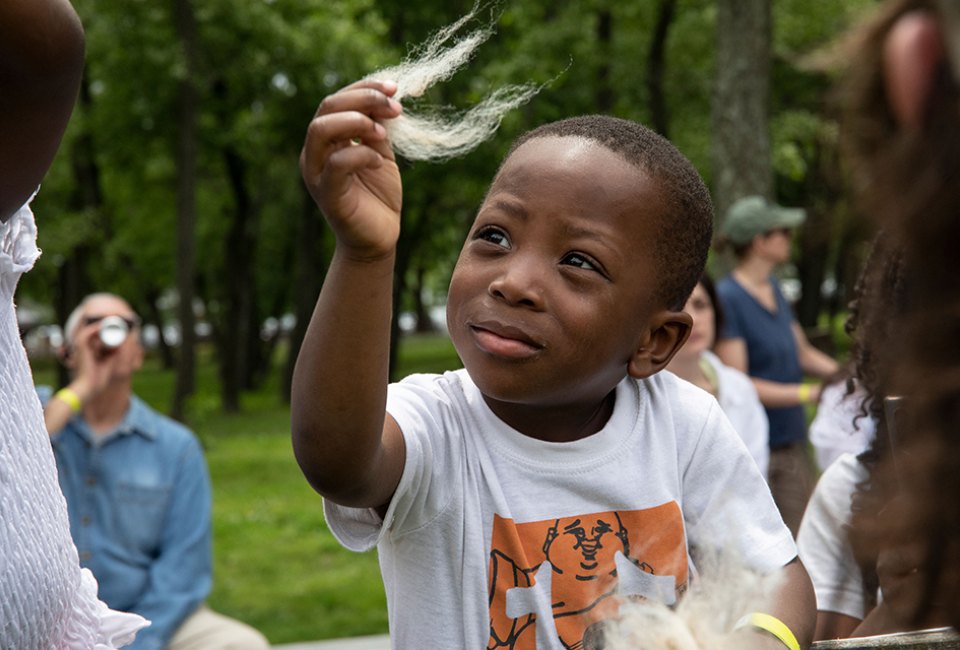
(685,230)
(879,304)
(877,310)
(909,180)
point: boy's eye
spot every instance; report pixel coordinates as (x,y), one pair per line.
(581,261)
(494,236)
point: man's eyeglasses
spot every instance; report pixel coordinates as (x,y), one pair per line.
(131,322)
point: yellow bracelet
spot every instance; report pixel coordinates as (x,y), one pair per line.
(70,398)
(770,624)
(804,393)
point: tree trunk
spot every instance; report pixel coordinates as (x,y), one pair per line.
(308,278)
(741,102)
(239,302)
(72,285)
(656,65)
(186,27)
(74,276)
(604,93)
(815,239)
(167,358)
(424,323)
(822,192)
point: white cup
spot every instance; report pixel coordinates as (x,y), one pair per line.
(113,331)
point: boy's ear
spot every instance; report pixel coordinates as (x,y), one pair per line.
(667,332)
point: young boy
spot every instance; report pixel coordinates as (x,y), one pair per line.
(515,502)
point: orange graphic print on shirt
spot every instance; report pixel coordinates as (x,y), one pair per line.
(551,580)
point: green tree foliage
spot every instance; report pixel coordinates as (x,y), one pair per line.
(107,211)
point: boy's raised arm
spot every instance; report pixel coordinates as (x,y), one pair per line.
(348,449)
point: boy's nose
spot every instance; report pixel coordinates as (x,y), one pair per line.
(519,283)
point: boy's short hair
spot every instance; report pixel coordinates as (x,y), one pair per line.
(684,232)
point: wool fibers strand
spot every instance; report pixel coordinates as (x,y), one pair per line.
(443,134)
(706,615)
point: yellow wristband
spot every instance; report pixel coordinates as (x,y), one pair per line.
(770,624)
(804,393)
(71,398)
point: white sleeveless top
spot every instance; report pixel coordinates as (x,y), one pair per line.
(46,600)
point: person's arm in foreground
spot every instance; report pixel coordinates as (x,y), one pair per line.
(347,448)
(903,579)
(794,603)
(41,63)
(772,394)
(834,625)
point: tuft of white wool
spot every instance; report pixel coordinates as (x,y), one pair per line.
(444,134)
(704,618)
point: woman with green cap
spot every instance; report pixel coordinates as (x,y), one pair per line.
(763,339)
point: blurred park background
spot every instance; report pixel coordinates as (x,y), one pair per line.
(177,187)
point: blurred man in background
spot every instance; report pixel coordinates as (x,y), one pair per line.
(137,488)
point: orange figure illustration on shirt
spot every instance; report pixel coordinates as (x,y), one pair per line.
(550,580)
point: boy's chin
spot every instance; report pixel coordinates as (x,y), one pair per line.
(516,389)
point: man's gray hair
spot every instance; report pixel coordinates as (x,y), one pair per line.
(73,320)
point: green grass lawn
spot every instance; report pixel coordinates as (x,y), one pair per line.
(276,565)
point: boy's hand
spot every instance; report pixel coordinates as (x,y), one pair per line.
(350,169)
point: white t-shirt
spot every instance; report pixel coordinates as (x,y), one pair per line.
(490,530)
(46,600)
(833,431)
(739,400)
(823,543)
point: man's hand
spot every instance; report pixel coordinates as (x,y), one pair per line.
(92,362)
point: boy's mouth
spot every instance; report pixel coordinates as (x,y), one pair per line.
(502,340)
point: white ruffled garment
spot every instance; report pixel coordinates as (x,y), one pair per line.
(47,601)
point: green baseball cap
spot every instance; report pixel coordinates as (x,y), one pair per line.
(753,215)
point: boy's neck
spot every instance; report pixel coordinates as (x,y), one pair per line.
(552,423)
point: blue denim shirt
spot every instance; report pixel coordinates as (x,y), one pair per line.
(139,504)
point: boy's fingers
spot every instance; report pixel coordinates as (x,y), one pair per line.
(330,133)
(349,160)
(386,86)
(365,99)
